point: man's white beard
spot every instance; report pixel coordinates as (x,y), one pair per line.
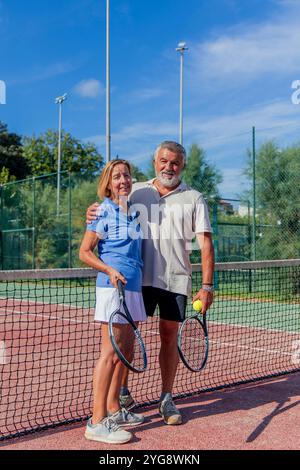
(166,182)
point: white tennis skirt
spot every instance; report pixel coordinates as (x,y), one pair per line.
(107,301)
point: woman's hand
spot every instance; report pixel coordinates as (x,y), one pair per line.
(114,276)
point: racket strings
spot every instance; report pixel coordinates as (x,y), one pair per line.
(193,343)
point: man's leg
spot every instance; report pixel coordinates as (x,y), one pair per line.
(168,360)
(150,302)
(126,400)
(172,312)
(168,356)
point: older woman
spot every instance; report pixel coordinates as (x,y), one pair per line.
(119,259)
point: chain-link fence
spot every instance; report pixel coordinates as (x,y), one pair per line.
(261,169)
(262,222)
(39,231)
(276,197)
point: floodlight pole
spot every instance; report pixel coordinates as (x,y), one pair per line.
(59,101)
(254,193)
(181,48)
(108,136)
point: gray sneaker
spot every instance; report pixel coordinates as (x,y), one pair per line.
(107,431)
(124,417)
(169,412)
(126,401)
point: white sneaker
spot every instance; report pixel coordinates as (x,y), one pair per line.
(124,417)
(107,431)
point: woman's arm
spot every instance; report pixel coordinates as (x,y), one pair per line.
(87,255)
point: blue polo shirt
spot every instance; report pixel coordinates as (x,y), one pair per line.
(120,244)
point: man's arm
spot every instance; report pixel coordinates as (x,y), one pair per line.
(208,263)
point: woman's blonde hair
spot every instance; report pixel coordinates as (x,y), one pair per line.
(105,177)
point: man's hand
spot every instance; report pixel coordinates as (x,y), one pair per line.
(91,213)
(207,257)
(206,299)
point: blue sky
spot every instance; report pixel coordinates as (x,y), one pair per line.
(243,57)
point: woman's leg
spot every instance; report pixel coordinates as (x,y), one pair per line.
(125,338)
(103,375)
(125,373)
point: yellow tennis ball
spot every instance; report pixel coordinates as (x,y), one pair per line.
(197,305)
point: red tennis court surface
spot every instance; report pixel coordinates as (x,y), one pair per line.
(45,362)
(49,344)
(264,415)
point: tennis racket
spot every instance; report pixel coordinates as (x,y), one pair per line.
(193,343)
(125,336)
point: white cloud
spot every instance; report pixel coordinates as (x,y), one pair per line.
(250,51)
(234,182)
(98,140)
(90,88)
(137,142)
(273,119)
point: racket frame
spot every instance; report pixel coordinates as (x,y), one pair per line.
(203,324)
(127,316)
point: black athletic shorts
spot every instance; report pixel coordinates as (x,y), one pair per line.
(172,306)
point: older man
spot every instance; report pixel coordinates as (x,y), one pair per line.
(172,214)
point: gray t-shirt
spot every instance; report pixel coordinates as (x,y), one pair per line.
(169,225)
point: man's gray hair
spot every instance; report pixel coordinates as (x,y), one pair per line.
(173,147)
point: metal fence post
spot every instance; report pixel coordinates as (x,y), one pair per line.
(70,221)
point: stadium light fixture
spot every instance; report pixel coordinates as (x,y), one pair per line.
(181,48)
(59,100)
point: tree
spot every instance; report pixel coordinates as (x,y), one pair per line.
(200,175)
(137,174)
(4,175)
(277,201)
(77,157)
(150,173)
(12,163)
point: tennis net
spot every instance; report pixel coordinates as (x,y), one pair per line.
(49,342)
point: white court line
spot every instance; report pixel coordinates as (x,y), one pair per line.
(241,346)
(252,327)
(235,325)
(153,332)
(43,315)
(32,302)
(2,353)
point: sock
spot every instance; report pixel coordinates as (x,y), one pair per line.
(91,425)
(165,396)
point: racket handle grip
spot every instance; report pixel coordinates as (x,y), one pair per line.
(121,290)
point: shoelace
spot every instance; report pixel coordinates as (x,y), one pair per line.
(110,424)
(125,414)
(169,407)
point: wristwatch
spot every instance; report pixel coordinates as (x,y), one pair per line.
(208,287)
